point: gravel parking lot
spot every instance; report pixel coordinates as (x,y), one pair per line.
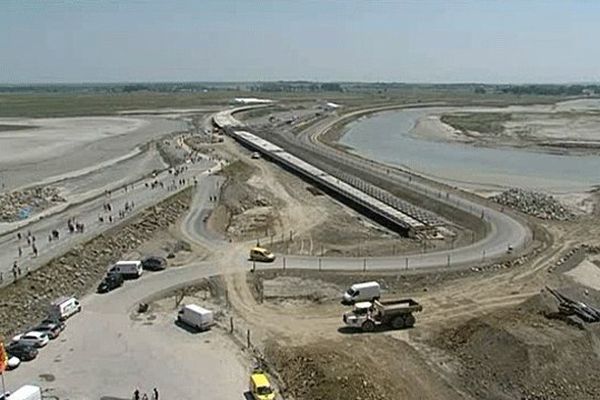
(107,351)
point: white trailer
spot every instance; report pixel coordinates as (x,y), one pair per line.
(196,317)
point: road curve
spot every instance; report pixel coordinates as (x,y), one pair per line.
(505,229)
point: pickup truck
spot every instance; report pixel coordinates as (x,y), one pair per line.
(396,314)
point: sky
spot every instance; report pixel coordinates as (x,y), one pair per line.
(441,41)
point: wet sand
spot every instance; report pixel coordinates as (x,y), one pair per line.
(60,147)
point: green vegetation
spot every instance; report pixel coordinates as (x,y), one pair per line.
(483,122)
(107,99)
(15,127)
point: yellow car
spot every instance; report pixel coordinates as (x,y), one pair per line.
(261,254)
(260,387)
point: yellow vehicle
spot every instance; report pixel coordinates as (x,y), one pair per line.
(260,388)
(261,254)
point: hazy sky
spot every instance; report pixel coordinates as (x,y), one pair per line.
(196,40)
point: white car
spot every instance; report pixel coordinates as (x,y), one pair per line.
(13,362)
(33,338)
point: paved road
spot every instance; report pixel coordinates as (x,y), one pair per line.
(88,213)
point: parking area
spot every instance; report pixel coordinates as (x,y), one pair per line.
(107,351)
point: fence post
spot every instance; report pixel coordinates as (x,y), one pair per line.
(284,263)
(320,261)
(230,324)
(248,338)
(364,264)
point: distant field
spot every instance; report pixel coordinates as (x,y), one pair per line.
(79,104)
(483,122)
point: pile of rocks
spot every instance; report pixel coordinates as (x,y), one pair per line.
(20,204)
(539,205)
(78,271)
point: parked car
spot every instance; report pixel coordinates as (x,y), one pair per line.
(260,387)
(23,351)
(63,307)
(51,329)
(13,362)
(128,269)
(32,338)
(53,320)
(110,282)
(154,263)
(196,317)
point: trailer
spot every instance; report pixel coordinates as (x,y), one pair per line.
(395,314)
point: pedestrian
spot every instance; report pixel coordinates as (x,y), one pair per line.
(49,237)
(1,276)
(28,233)
(19,235)
(145,397)
(136,394)
(20,251)
(33,239)
(28,241)
(155,391)
(14,270)
(35,250)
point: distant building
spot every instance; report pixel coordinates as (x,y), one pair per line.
(251,100)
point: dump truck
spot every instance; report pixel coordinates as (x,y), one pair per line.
(395,314)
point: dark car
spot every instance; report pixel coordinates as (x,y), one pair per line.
(110,282)
(154,263)
(50,328)
(53,320)
(22,351)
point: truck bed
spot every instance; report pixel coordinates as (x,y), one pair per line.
(396,306)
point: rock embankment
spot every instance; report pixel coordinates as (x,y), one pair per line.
(78,270)
(537,204)
(20,204)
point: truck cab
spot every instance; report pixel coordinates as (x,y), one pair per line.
(261,254)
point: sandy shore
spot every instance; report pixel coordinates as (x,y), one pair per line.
(61,147)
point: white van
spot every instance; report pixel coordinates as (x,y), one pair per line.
(26,392)
(62,308)
(365,291)
(127,269)
(196,317)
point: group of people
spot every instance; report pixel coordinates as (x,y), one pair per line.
(136,395)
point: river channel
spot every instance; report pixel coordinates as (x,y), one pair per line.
(386,137)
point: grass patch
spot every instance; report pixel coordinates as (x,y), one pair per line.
(238,171)
(483,122)
(4,128)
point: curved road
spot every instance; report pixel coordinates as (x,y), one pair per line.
(505,229)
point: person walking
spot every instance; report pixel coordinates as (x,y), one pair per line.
(136,394)
(155,392)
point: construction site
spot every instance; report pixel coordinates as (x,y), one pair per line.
(336,273)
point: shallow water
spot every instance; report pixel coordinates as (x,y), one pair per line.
(386,137)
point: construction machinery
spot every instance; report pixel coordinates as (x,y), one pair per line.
(395,314)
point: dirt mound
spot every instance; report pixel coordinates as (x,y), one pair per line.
(246,212)
(365,367)
(524,353)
